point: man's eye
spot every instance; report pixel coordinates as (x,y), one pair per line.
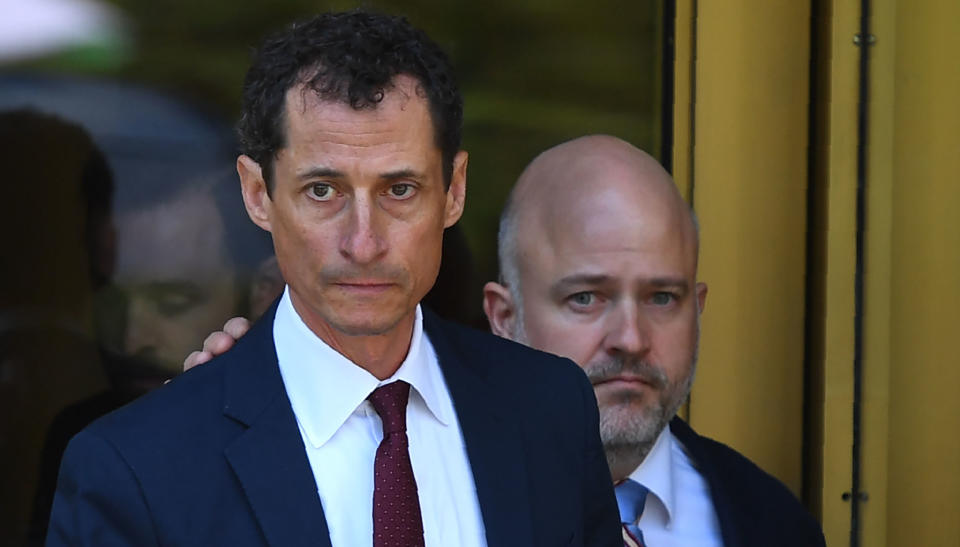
(583,299)
(173,303)
(321,192)
(662,299)
(401,190)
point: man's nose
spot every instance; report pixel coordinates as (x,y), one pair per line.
(363,240)
(628,332)
(140,331)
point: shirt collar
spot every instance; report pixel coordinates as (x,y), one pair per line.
(656,471)
(325,387)
(421,370)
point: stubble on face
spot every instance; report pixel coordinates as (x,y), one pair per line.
(631,419)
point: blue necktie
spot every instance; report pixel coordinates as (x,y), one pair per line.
(631,497)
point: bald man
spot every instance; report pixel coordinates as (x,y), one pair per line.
(598,257)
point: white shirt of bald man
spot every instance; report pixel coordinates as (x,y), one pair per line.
(679,510)
(341,432)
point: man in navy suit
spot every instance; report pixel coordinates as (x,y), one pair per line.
(598,258)
(348,415)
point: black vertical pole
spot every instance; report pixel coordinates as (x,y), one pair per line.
(864,40)
(668,60)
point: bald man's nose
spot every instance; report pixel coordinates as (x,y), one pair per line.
(628,332)
(363,240)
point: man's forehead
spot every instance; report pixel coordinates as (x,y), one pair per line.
(600,217)
(402,89)
(611,204)
(605,238)
(399,122)
(183,236)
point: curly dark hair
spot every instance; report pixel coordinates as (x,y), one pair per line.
(352,58)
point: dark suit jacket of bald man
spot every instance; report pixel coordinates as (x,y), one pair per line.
(754,509)
(216,457)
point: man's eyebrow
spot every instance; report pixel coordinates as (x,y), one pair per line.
(406,173)
(582,279)
(595,280)
(669,282)
(565,284)
(320,173)
(330,173)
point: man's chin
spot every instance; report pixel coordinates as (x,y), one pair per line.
(625,397)
(363,328)
(138,373)
(373,323)
(625,425)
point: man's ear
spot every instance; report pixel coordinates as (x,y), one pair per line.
(701,296)
(457,192)
(501,310)
(254,188)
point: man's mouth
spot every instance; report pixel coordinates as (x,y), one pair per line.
(371,286)
(624,380)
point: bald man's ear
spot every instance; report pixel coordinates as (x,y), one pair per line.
(500,308)
(457,192)
(254,188)
(701,296)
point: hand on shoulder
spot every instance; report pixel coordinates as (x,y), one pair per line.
(218,342)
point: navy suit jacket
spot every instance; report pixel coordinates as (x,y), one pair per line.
(216,457)
(754,508)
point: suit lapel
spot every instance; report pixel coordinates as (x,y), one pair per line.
(268,458)
(720,491)
(493,438)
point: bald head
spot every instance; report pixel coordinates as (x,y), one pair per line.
(567,186)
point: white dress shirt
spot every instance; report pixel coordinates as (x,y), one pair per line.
(679,510)
(341,432)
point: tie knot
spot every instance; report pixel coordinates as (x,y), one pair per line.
(631,497)
(390,402)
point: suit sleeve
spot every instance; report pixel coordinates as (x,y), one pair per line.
(600,514)
(98,501)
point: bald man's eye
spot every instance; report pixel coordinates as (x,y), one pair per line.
(321,191)
(663,299)
(582,299)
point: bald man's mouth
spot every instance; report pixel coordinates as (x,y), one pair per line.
(627,374)
(624,379)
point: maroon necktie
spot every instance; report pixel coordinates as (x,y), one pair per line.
(396,507)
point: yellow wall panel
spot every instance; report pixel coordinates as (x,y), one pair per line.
(749,147)
(750,160)
(910,459)
(923,441)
